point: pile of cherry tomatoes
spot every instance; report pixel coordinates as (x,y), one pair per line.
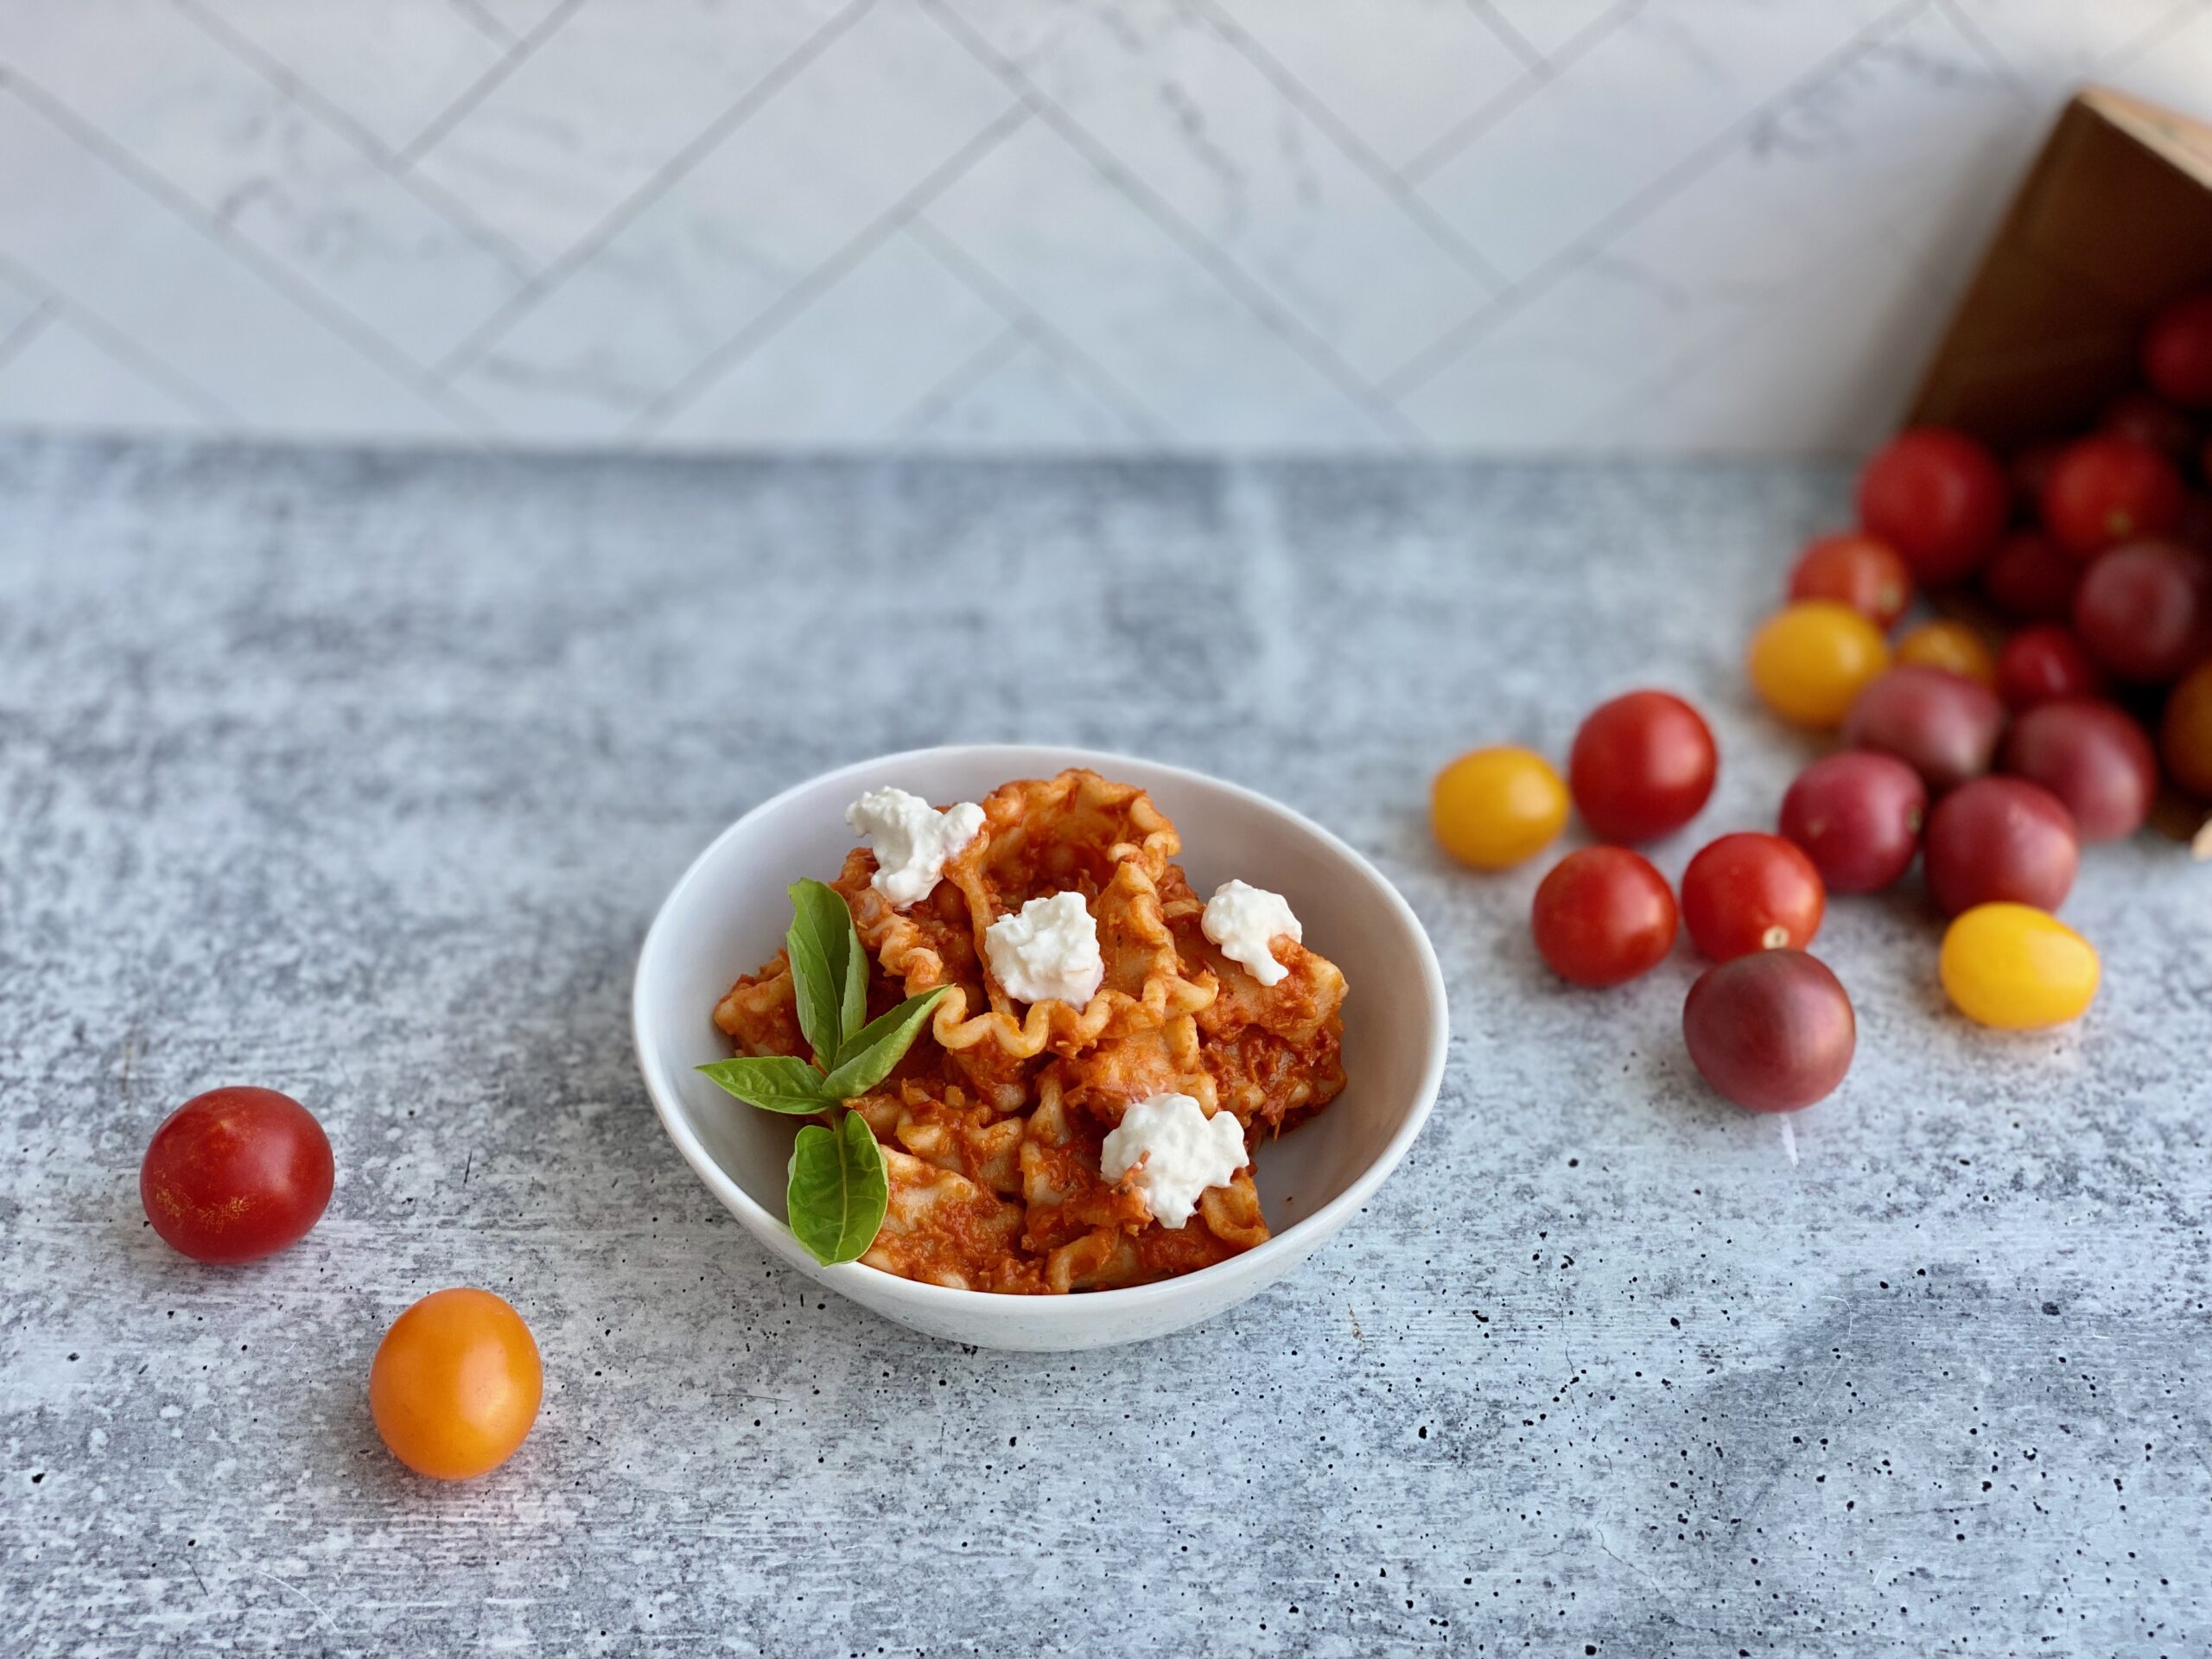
(1992,766)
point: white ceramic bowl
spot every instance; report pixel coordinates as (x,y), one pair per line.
(727,915)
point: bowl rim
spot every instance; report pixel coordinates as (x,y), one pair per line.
(862,1282)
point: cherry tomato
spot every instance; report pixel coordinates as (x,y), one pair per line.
(2185,735)
(2141,611)
(1497,806)
(455,1384)
(1751,892)
(2017,968)
(1856,570)
(2151,419)
(1943,727)
(2093,757)
(1773,1032)
(236,1174)
(2178,351)
(2044,663)
(1643,764)
(2106,490)
(1950,646)
(1602,916)
(2030,579)
(1995,839)
(1809,660)
(1857,816)
(1939,497)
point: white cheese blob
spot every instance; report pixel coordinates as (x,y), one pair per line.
(1177,1151)
(912,841)
(1047,950)
(1242,921)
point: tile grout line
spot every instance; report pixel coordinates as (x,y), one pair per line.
(120,345)
(481,342)
(485,84)
(1354,148)
(372,346)
(1508,36)
(1480,120)
(1078,363)
(1983,47)
(1449,347)
(487,25)
(47,308)
(970,372)
(296,88)
(1316,352)
(2186,13)
(802,292)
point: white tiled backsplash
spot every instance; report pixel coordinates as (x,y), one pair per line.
(1504,226)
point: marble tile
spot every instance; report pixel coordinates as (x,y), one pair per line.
(1360,74)
(1553,25)
(2177,73)
(1025,400)
(1673,77)
(394,66)
(888,103)
(60,378)
(82,229)
(520,18)
(2051,43)
(1202,130)
(617,93)
(851,366)
(263,167)
(1041,220)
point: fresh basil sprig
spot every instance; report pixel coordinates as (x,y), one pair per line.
(838,1188)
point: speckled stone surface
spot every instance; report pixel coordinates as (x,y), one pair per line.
(361,778)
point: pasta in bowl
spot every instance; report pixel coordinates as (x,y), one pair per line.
(1104,1083)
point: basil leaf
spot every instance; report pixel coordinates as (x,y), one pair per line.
(839,1190)
(877,1046)
(775,1083)
(828,968)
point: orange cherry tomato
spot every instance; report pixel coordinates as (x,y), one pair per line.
(1949,644)
(455,1384)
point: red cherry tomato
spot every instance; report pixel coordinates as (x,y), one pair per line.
(2093,757)
(2043,664)
(2141,611)
(2178,351)
(1856,570)
(2146,419)
(2030,580)
(1857,816)
(2106,490)
(1773,1032)
(1642,765)
(236,1174)
(2000,840)
(1602,916)
(1939,497)
(1751,892)
(1943,724)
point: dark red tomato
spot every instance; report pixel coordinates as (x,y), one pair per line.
(2178,351)
(1856,570)
(2106,490)
(1857,816)
(2141,611)
(2030,580)
(1943,724)
(1939,497)
(2028,471)
(1751,892)
(236,1174)
(1773,1032)
(1602,916)
(2000,840)
(2151,419)
(2043,664)
(2094,758)
(1643,764)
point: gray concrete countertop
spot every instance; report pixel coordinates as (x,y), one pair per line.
(360,776)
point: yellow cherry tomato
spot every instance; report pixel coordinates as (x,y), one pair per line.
(1949,644)
(2017,968)
(1497,806)
(455,1384)
(1809,660)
